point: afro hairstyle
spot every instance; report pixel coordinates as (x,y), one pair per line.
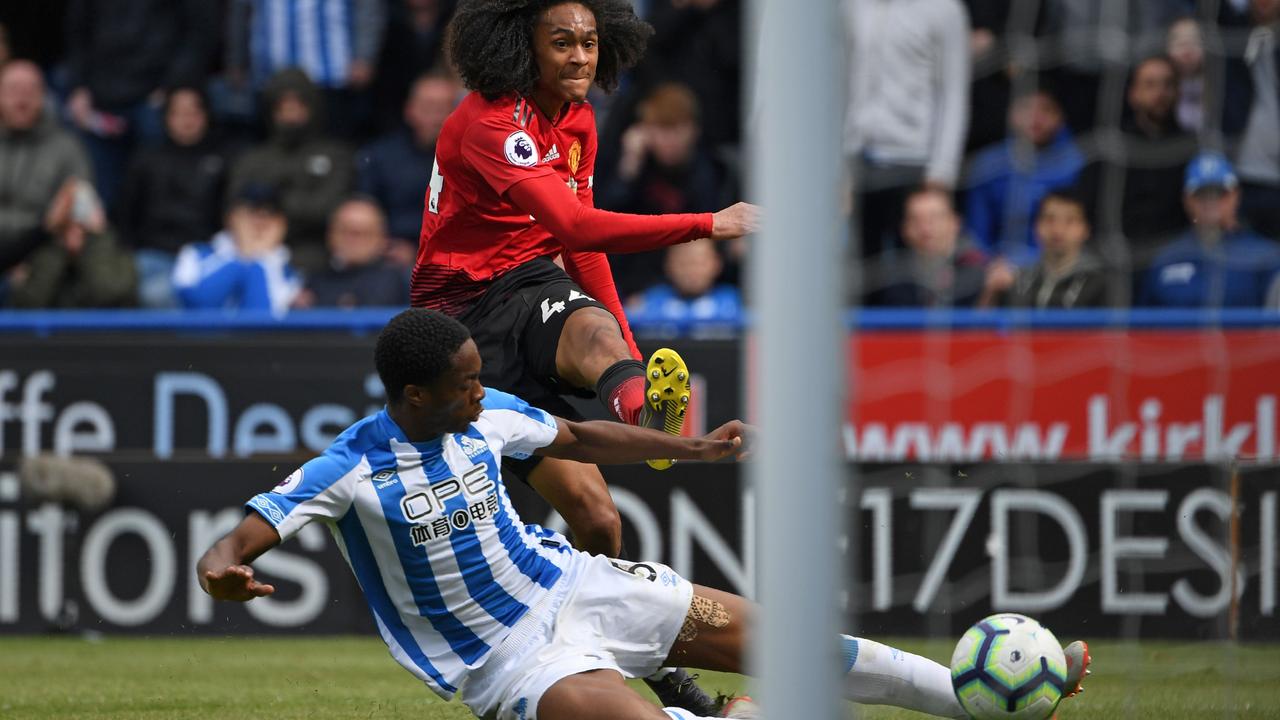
(490,43)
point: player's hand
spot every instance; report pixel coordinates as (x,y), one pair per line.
(735,221)
(734,438)
(235,583)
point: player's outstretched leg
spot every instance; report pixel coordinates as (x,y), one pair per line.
(876,674)
(714,637)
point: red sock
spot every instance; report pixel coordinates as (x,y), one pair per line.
(626,400)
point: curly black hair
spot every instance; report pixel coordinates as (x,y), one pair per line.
(490,42)
(415,348)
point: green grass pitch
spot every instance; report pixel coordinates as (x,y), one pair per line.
(319,678)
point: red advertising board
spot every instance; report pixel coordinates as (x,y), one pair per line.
(1100,395)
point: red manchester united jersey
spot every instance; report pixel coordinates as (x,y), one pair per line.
(470,232)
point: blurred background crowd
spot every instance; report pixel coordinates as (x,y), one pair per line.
(274,154)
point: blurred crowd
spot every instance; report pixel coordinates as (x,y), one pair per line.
(273,154)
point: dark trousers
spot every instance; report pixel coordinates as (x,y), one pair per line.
(877,208)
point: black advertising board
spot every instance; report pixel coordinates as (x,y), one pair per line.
(193,425)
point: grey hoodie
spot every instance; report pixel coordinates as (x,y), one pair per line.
(909,71)
(33,165)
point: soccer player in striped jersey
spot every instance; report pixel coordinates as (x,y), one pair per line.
(468,597)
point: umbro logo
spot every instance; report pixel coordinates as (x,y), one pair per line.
(472,447)
(384,479)
(552,154)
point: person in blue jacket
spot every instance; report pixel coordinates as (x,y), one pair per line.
(246,265)
(1218,262)
(1006,182)
(691,298)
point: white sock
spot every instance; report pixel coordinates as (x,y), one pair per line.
(877,674)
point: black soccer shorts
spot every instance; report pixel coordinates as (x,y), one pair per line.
(516,325)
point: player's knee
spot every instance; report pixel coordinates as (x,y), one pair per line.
(594,519)
(598,331)
(598,530)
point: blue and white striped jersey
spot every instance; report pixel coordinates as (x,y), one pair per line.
(322,37)
(444,561)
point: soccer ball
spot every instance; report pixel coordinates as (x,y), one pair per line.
(1008,667)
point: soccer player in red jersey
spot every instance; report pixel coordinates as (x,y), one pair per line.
(512,191)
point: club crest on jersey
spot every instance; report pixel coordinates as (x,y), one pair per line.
(289,484)
(552,154)
(575,157)
(520,150)
(472,447)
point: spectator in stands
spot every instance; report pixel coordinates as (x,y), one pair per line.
(358,273)
(1078,36)
(697,43)
(246,266)
(942,267)
(334,42)
(36,159)
(413,47)
(691,298)
(1251,116)
(663,169)
(122,56)
(1148,197)
(311,172)
(1007,181)
(80,265)
(396,170)
(1185,47)
(172,194)
(1219,262)
(1066,275)
(908,105)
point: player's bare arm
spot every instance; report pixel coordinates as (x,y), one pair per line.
(224,570)
(610,443)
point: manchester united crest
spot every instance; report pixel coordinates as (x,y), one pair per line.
(575,158)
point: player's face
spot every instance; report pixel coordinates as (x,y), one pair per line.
(565,46)
(458,393)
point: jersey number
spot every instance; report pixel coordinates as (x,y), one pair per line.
(436,185)
(551,308)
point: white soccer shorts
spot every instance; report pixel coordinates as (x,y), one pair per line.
(604,614)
